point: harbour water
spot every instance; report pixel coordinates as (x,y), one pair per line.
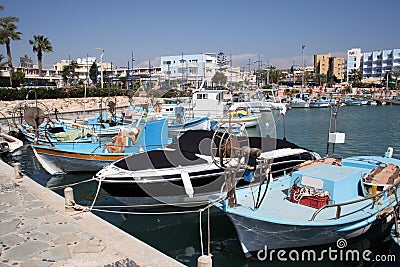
(369,130)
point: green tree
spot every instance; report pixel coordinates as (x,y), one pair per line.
(68,73)
(275,75)
(65,74)
(219,78)
(19,76)
(322,78)
(93,73)
(355,77)
(396,76)
(7,33)
(40,44)
(221,60)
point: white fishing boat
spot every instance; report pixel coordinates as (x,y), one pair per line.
(210,103)
(300,100)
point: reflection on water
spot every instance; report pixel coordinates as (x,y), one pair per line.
(369,130)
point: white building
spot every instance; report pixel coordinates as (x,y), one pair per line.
(195,69)
(354,59)
(375,64)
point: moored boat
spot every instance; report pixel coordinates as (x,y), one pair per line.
(322,201)
(185,171)
(316,205)
(90,157)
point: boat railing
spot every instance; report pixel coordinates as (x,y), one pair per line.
(384,193)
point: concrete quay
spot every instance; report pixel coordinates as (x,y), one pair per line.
(36,231)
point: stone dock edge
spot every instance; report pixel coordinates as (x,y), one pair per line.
(118,247)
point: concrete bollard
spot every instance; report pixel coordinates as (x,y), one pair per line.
(204,261)
(17,170)
(69,199)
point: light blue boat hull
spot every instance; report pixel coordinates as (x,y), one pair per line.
(254,235)
(279,223)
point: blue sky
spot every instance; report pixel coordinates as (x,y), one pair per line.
(245,29)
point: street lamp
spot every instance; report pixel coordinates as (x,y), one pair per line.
(101,65)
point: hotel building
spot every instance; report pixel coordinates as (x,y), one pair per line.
(374,64)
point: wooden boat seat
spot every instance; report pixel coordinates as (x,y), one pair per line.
(122,139)
(388,174)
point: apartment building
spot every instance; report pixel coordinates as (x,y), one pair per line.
(321,63)
(329,65)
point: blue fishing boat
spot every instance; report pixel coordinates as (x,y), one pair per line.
(352,102)
(320,202)
(319,103)
(316,205)
(60,132)
(90,157)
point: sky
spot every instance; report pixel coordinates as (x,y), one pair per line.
(245,29)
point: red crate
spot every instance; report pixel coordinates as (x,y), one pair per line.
(310,201)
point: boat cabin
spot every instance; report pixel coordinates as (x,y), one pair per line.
(208,103)
(335,184)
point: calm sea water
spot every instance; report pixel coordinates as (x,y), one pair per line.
(369,131)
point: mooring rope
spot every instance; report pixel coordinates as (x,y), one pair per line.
(69,185)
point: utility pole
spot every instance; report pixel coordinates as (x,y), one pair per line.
(127,77)
(150,85)
(302,60)
(133,74)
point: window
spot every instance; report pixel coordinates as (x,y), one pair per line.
(202,96)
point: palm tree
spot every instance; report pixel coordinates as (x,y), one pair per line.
(396,74)
(8,33)
(40,44)
(2,64)
(355,77)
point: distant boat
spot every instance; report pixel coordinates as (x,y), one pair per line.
(191,124)
(352,102)
(90,157)
(319,103)
(299,101)
(210,103)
